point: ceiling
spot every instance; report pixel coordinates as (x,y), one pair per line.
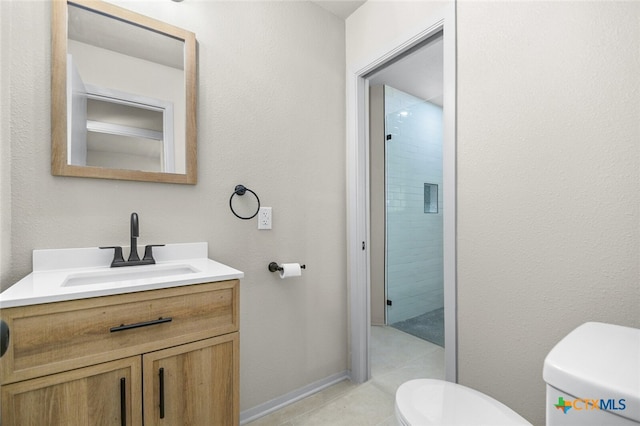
(340,8)
(419,73)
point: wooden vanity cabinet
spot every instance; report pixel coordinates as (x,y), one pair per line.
(182,371)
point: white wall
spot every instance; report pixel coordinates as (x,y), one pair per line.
(5,145)
(548,184)
(548,174)
(271,116)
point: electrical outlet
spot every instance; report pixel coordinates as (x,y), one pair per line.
(264,218)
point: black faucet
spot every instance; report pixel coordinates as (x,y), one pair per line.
(135,233)
(134,259)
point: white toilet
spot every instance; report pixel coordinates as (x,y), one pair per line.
(424,402)
(595,373)
(599,362)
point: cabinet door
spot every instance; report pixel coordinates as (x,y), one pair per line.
(194,384)
(103,394)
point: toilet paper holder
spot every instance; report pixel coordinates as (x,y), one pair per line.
(274,267)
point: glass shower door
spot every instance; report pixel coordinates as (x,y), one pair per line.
(413,215)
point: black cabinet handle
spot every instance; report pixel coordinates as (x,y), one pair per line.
(123,401)
(4,337)
(161,374)
(123,327)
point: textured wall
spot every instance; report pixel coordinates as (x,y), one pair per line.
(5,145)
(270,116)
(548,178)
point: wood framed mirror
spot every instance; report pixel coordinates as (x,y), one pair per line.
(123,95)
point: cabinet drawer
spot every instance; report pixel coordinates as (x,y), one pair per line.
(61,336)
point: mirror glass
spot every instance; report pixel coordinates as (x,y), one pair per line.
(128,106)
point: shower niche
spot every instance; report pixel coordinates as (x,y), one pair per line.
(430,198)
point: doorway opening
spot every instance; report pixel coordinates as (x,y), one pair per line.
(405,193)
(436,198)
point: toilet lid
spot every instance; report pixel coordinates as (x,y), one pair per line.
(425,402)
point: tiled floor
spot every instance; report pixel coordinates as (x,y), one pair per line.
(395,358)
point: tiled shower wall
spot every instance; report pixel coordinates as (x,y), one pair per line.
(414,238)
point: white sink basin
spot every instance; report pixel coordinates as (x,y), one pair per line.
(80,273)
(127,273)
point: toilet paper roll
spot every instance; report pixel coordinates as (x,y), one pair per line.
(290,270)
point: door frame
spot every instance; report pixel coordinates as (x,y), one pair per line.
(358,220)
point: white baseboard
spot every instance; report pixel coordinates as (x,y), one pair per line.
(268,407)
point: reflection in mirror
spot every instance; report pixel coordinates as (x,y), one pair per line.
(128,105)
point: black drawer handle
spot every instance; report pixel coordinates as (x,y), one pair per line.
(140,324)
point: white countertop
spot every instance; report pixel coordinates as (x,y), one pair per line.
(56,271)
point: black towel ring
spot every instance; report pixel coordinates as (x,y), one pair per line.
(241,190)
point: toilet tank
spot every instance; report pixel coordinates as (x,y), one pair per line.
(593,377)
